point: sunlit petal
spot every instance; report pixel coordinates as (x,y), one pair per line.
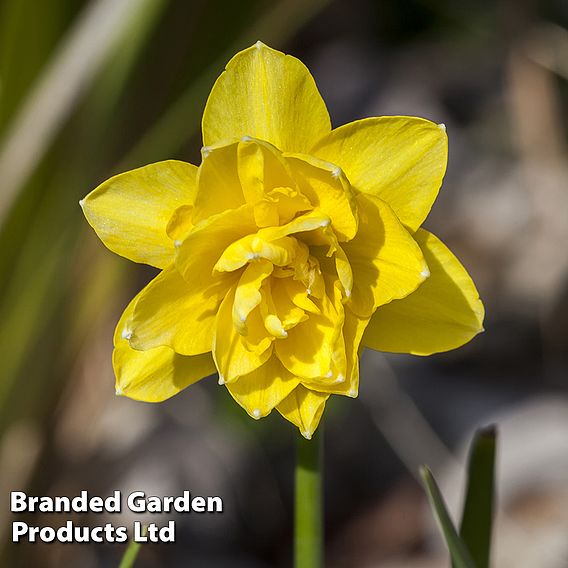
(304,408)
(401,159)
(156,374)
(237,355)
(267,95)
(263,389)
(444,313)
(327,188)
(174,313)
(386,261)
(130,211)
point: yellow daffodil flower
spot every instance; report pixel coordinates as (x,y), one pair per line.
(290,247)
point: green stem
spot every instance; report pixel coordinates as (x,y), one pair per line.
(308,529)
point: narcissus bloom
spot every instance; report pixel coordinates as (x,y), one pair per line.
(290,248)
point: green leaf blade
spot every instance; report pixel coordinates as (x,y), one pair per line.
(459,553)
(477,519)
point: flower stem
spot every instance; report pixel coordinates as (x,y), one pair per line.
(308,531)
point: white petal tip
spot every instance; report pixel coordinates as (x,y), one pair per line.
(325,223)
(256,413)
(221,380)
(258,44)
(307,435)
(205,151)
(352,394)
(177,243)
(340,379)
(425,273)
(329,374)
(336,172)
(348,292)
(126,334)
(442,127)
(309,291)
(246,139)
(81,203)
(118,391)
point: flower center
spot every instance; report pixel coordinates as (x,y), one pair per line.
(284,270)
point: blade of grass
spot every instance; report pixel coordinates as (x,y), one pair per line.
(131,553)
(477,518)
(458,550)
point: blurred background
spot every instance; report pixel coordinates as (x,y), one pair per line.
(89,88)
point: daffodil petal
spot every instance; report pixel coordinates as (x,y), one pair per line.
(443,313)
(310,221)
(400,159)
(234,354)
(328,190)
(272,322)
(348,384)
(156,374)
(288,312)
(307,350)
(130,211)
(289,202)
(279,252)
(338,361)
(353,330)
(263,389)
(171,312)
(267,95)
(304,408)
(298,294)
(218,185)
(261,169)
(344,272)
(197,255)
(386,261)
(247,294)
(180,223)
(338,368)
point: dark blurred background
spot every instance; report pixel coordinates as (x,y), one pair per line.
(91,88)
